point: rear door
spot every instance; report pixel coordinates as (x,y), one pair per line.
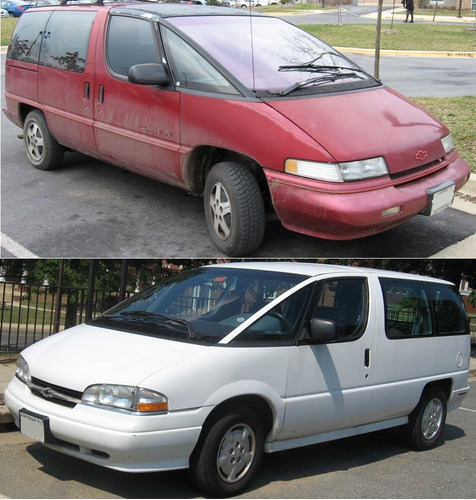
(66,76)
(330,385)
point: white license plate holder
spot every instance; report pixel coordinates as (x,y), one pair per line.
(34,425)
(440,197)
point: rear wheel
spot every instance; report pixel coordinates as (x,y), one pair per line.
(228,454)
(427,421)
(42,149)
(234,209)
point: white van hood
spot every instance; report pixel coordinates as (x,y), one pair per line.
(86,355)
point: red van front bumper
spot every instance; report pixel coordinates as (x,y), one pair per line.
(310,207)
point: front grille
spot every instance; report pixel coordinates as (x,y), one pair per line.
(55,393)
(416,169)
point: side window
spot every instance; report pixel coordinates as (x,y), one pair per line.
(450,314)
(26,40)
(280,324)
(407,309)
(130,41)
(192,70)
(66,39)
(344,302)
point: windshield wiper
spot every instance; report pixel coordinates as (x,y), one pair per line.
(320,68)
(315,80)
(151,318)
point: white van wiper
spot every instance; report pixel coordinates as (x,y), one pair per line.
(147,317)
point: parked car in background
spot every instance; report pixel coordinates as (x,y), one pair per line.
(4,13)
(16,8)
(212,368)
(249,111)
(45,3)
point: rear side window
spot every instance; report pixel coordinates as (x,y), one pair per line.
(344,302)
(407,309)
(26,40)
(130,41)
(450,315)
(66,39)
(416,309)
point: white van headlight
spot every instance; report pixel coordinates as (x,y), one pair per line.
(125,397)
(448,144)
(23,370)
(338,172)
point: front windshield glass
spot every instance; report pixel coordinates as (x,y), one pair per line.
(266,53)
(206,304)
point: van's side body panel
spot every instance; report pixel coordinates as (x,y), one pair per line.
(65,96)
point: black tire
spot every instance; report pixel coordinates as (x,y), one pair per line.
(427,421)
(234,209)
(228,454)
(42,149)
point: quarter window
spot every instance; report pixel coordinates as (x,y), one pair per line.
(130,41)
(450,314)
(407,309)
(344,302)
(26,41)
(66,39)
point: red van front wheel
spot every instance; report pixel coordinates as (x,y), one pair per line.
(234,209)
(42,149)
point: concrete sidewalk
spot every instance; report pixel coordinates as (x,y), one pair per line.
(7,372)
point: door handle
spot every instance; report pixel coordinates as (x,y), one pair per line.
(86,90)
(101,94)
(367,359)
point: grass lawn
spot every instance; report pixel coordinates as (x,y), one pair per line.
(401,37)
(457,113)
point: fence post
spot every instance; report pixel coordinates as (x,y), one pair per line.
(58,297)
(91,289)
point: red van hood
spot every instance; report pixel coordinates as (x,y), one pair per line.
(367,124)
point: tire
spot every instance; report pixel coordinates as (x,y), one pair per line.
(234,209)
(228,454)
(42,149)
(427,421)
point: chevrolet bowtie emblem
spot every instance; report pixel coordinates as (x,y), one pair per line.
(421,155)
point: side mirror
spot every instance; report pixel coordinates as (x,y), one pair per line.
(323,330)
(148,74)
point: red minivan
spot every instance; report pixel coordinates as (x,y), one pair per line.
(247,110)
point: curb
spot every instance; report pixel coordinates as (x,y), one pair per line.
(406,53)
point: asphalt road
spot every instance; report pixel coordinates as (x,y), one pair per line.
(375,465)
(92,209)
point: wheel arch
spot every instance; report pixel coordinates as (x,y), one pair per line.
(253,402)
(445,385)
(202,158)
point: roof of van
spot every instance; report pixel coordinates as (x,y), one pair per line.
(181,9)
(311,269)
(160,10)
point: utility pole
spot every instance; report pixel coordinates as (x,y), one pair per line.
(377,41)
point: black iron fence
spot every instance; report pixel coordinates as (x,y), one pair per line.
(29,313)
(32,312)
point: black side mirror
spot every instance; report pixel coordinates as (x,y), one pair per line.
(323,330)
(148,74)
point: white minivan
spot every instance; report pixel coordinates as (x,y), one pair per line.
(213,367)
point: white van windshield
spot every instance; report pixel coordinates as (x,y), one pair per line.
(206,304)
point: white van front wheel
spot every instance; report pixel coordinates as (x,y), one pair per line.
(42,149)
(427,420)
(228,455)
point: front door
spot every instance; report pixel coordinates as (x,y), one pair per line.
(330,385)
(136,126)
